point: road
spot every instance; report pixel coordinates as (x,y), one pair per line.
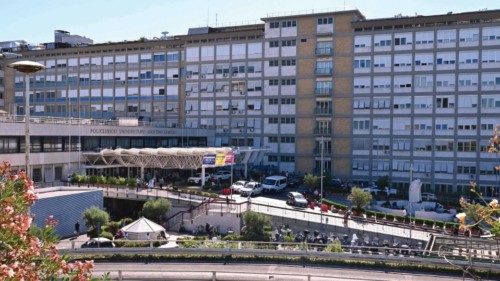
(250,272)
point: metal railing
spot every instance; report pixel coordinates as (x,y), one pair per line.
(326,51)
(323,91)
(323,110)
(322,131)
(323,71)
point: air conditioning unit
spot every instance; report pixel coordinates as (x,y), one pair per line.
(242,93)
(251,129)
(225,75)
(203,75)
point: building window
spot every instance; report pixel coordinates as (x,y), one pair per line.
(287,159)
(287,139)
(286,82)
(325,21)
(272,139)
(288,23)
(287,62)
(273,120)
(273,82)
(288,43)
(287,120)
(274,24)
(273,63)
(288,101)
(273,44)
(273,101)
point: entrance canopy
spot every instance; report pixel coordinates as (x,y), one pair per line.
(168,158)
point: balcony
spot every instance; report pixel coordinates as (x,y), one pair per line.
(323,71)
(322,131)
(326,151)
(323,111)
(327,51)
(323,91)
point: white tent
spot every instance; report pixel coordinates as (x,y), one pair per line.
(144,229)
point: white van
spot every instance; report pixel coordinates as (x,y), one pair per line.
(274,184)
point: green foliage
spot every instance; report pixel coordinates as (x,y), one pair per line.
(113,227)
(359,198)
(94,216)
(311,181)
(495,229)
(334,247)
(383,181)
(155,209)
(111,180)
(389,217)
(232,237)
(257,226)
(185,242)
(125,221)
(335,204)
(135,244)
(106,234)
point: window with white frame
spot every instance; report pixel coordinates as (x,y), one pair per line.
(255,50)
(254,85)
(401,144)
(222,68)
(192,54)
(468,57)
(362,62)
(402,60)
(382,61)
(423,81)
(401,39)
(401,125)
(445,80)
(222,52)
(402,81)
(488,168)
(446,36)
(221,105)
(381,82)
(207,52)
(490,79)
(467,101)
(491,33)
(192,69)
(467,80)
(445,102)
(381,124)
(402,103)
(207,69)
(422,124)
(469,35)
(361,124)
(490,56)
(467,124)
(361,103)
(422,145)
(444,145)
(424,37)
(441,167)
(446,58)
(382,103)
(444,124)
(238,51)
(361,164)
(490,101)
(207,106)
(423,102)
(466,145)
(382,40)
(361,144)
(362,82)
(362,41)
(424,59)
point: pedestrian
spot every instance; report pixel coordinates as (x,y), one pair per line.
(138,183)
(77,228)
(147,236)
(227,200)
(162,182)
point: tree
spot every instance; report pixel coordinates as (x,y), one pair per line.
(257,227)
(26,251)
(383,182)
(311,181)
(95,218)
(359,198)
(155,209)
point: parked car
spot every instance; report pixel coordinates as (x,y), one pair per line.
(196,179)
(99,242)
(251,189)
(237,186)
(338,185)
(274,183)
(296,199)
(222,175)
(427,196)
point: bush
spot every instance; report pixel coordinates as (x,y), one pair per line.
(232,237)
(155,209)
(131,182)
(135,244)
(111,181)
(335,204)
(122,181)
(257,226)
(440,224)
(359,198)
(126,221)
(419,221)
(189,243)
(113,227)
(389,217)
(370,214)
(94,217)
(380,215)
(106,234)
(334,247)
(400,218)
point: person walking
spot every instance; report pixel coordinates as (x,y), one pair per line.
(161,182)
(77,228)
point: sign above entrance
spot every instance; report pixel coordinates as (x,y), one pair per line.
(208,160)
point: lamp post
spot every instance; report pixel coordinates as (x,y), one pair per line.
(27,67)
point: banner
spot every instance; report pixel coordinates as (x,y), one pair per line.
(208,160)
(220,159)
(229,158)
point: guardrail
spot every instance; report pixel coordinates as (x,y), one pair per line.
(356,253)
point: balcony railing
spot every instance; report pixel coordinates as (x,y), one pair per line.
(323,91)
(326,51)
(326,151)
(323,71)
(322,131)
(322,111)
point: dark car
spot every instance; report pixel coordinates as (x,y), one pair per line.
(100,242)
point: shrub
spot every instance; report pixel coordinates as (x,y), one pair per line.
(440,224)
(131,182)
(400,218)
(389,217)
(111,181)
(380,215)
(113,227)
(94,217)
(335,204)
(257,226)
(359,198)
(232,237)
(189,243)
(126,221)
(334,247)
(419,221)
(106,234)
(101,180)
(122,181)
(370,214)
(155,209)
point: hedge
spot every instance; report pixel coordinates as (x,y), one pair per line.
(335,204)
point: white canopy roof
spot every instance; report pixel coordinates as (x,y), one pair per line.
(143,225)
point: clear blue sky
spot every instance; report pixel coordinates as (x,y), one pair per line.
(118,20)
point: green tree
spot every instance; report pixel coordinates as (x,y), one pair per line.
(94,217)
(155,209)
(359,198)
(334,247)
(311,181)
(383,181)
(256,227)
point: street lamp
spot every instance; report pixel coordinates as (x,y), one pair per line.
(27,67)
